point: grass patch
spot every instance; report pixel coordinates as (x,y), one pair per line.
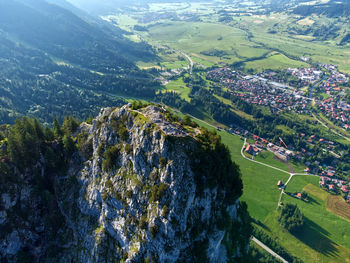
(179,87)
(269,158)
(274,61)
(259,182)
(326,237)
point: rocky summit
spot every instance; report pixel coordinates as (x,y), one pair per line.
(142,186)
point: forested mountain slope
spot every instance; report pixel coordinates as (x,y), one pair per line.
(54,63)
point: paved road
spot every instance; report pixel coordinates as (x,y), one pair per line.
(188,58)
(190,61)
(270,251)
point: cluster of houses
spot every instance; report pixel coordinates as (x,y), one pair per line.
(333,107)
(313,139)
(335,185)
(259,91)
(276,78)
(252,149)
(337,111)
(330,182)
(307,75)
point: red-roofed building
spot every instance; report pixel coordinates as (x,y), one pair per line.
(330,174)
(344,189)
(331,187)
(299,195)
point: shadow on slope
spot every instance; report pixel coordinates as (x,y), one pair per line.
(316,238)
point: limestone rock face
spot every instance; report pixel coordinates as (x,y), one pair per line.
(147,190)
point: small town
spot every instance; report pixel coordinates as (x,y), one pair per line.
(267,89)
(262,89)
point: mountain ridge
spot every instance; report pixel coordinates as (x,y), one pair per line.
(141,187)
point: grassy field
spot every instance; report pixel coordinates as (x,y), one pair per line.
(178,86)
(269,158)
(325,237)
(243,37)
(297,47)
(199,38)
(274,61)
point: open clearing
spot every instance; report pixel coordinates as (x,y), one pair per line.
(179,87)
(306,22)
(275,61)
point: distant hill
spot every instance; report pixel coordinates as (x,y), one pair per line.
(331,9)
(63,34)
(54,61)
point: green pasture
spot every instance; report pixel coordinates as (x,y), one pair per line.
(274,61)
(325,237)
(179,87)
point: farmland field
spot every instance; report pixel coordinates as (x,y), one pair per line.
(338,206)
(196,29)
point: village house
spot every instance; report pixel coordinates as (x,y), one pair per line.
(344,189)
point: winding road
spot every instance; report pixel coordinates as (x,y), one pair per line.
(188,58)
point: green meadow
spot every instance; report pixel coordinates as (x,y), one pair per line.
(179,87)
(325,236)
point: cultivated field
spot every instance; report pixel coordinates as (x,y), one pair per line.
(337,205)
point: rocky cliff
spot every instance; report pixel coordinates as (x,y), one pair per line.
(143,187)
